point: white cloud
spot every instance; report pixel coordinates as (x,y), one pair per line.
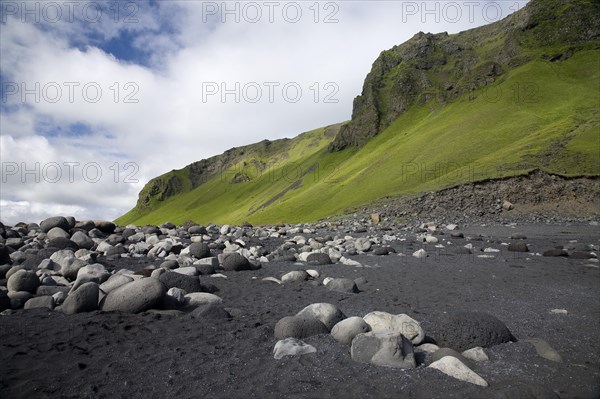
(170,125)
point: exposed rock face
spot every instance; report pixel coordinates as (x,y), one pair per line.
(176,182)
(440,68)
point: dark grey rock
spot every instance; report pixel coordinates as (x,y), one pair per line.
(518,246)
(40,302)
(55,221)
(326,313)
(318,258)
(82,240)
(4,301)
(4,255)
(210,288)
(555,252)
(205,269)
(342,285)
(115,239)
(18,298)
(465,330)
(71,220)
(151,230)
(381,251)
(198,230)
(235,262)
(104,226)
(134,297)
(33,260)
(199,250)
(23,280)
(518,236)
(187,283)
(63,243)
(580,255)
(83,299)
(170,264)
(15,242)
(383,349)
(57,232)
(3,270)
(115,252)
(126,233)
(45,290)
(299,327)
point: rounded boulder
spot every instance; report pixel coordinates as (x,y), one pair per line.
(342,285)
(400,323)
(55,221)
(465,330)
(187,283)
(199,250)
(299,327)
(326,313)
(347,329)
(318,258)
(23,280)
(236,262)
(83,299)
(134,297)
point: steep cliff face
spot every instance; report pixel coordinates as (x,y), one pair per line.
(444,67)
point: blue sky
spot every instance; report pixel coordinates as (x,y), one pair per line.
(135,89)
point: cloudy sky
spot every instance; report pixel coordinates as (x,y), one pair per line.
(99,97)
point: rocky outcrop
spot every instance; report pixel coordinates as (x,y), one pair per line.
(441,68)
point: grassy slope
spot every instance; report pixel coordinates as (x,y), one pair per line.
(540,115)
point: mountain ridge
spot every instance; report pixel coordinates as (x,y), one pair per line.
(432,92)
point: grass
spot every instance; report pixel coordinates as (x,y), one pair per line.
(540,115)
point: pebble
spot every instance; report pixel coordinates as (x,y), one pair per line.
(421,253)
(476,354)
(342,285)
(196,299)
(291,347)
(295,276)
(519,246)
(559,311)
(544,349)
(454,368)
(272,279)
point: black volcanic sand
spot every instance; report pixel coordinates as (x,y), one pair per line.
(112,355)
